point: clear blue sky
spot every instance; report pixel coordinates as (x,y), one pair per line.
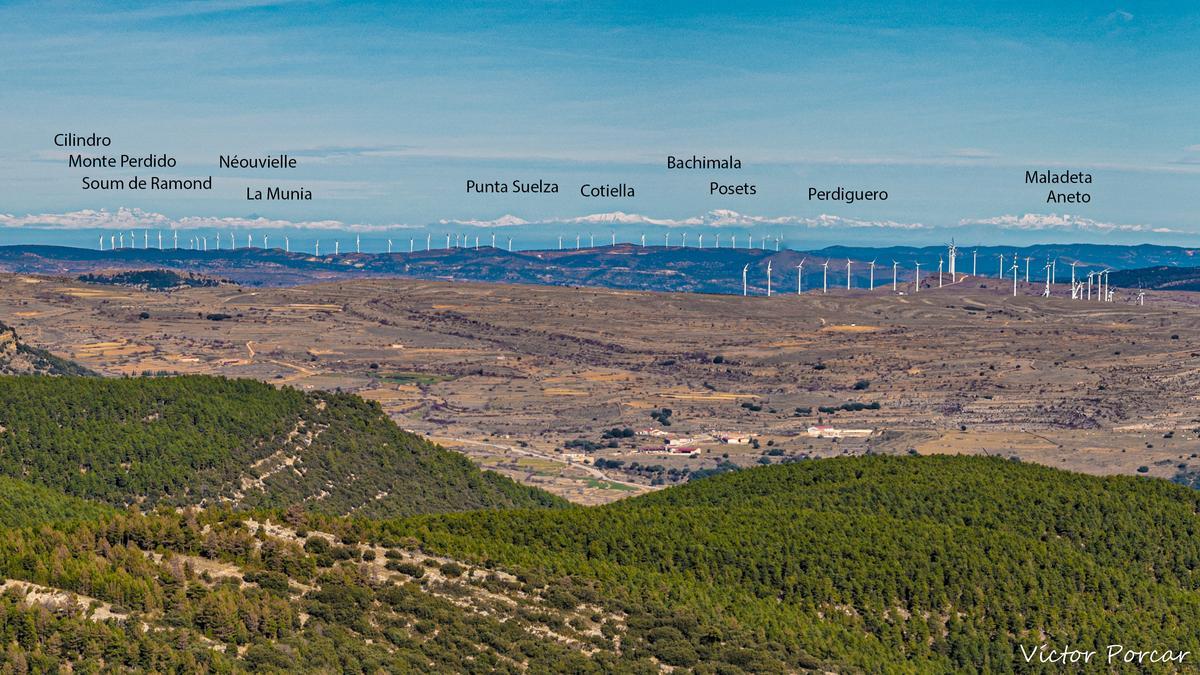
(391,108)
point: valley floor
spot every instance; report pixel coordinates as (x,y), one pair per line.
(527,380)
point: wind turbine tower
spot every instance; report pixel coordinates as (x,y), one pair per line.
(768,278)
(895,266)
(917,283)
(847,274)
(825,276)
(745,287)
(872,286)
(800,277)
(941,262)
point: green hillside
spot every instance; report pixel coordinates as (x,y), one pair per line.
(940,564)
(23,505)
(207,440)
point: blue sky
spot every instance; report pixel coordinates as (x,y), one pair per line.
(391,107)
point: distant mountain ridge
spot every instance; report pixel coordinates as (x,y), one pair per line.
(624,266)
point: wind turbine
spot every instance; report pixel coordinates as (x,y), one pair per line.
(265,240)
(1014,271)
(1001,265)
(718,235)
(733,238)
(591,240)
(476,242)
(412,245)
(847,274)
(895,266)
(685,239)
(1027,259)
(614,237)
(317,249)
(287,244)
(560,242)
(750,245)
(337,247)
(160,240)
(101,242)
(825,276)
(872,286)
(643,240)
(390,246)
(249,240)
(493,240)
(1046,294)
(428,240)
(578,238)
(701,240)
(145,239)
(510,244)
(768,278)
(941,263)
(800,277)
(917,284)
(953,255)
(1073,264)
(974,262)
(175,234)
(667,240)
(206,243)
(1141,298)
(745,271)
(112,241)
(122,240)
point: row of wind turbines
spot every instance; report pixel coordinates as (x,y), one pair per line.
(199,242)
(1081,289)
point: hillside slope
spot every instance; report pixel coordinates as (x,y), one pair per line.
(18,358)
(938,564)
(206,440)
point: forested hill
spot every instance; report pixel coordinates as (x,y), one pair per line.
(207,440)
(17,358)
(935,564)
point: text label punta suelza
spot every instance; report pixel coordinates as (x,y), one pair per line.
(1112,654)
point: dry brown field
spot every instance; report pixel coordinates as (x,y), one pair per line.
(510,374)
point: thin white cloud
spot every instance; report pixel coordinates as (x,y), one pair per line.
(507,220)
(1064,222)
(124,218)
(729,218)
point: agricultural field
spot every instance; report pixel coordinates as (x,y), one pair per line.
(569,389)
